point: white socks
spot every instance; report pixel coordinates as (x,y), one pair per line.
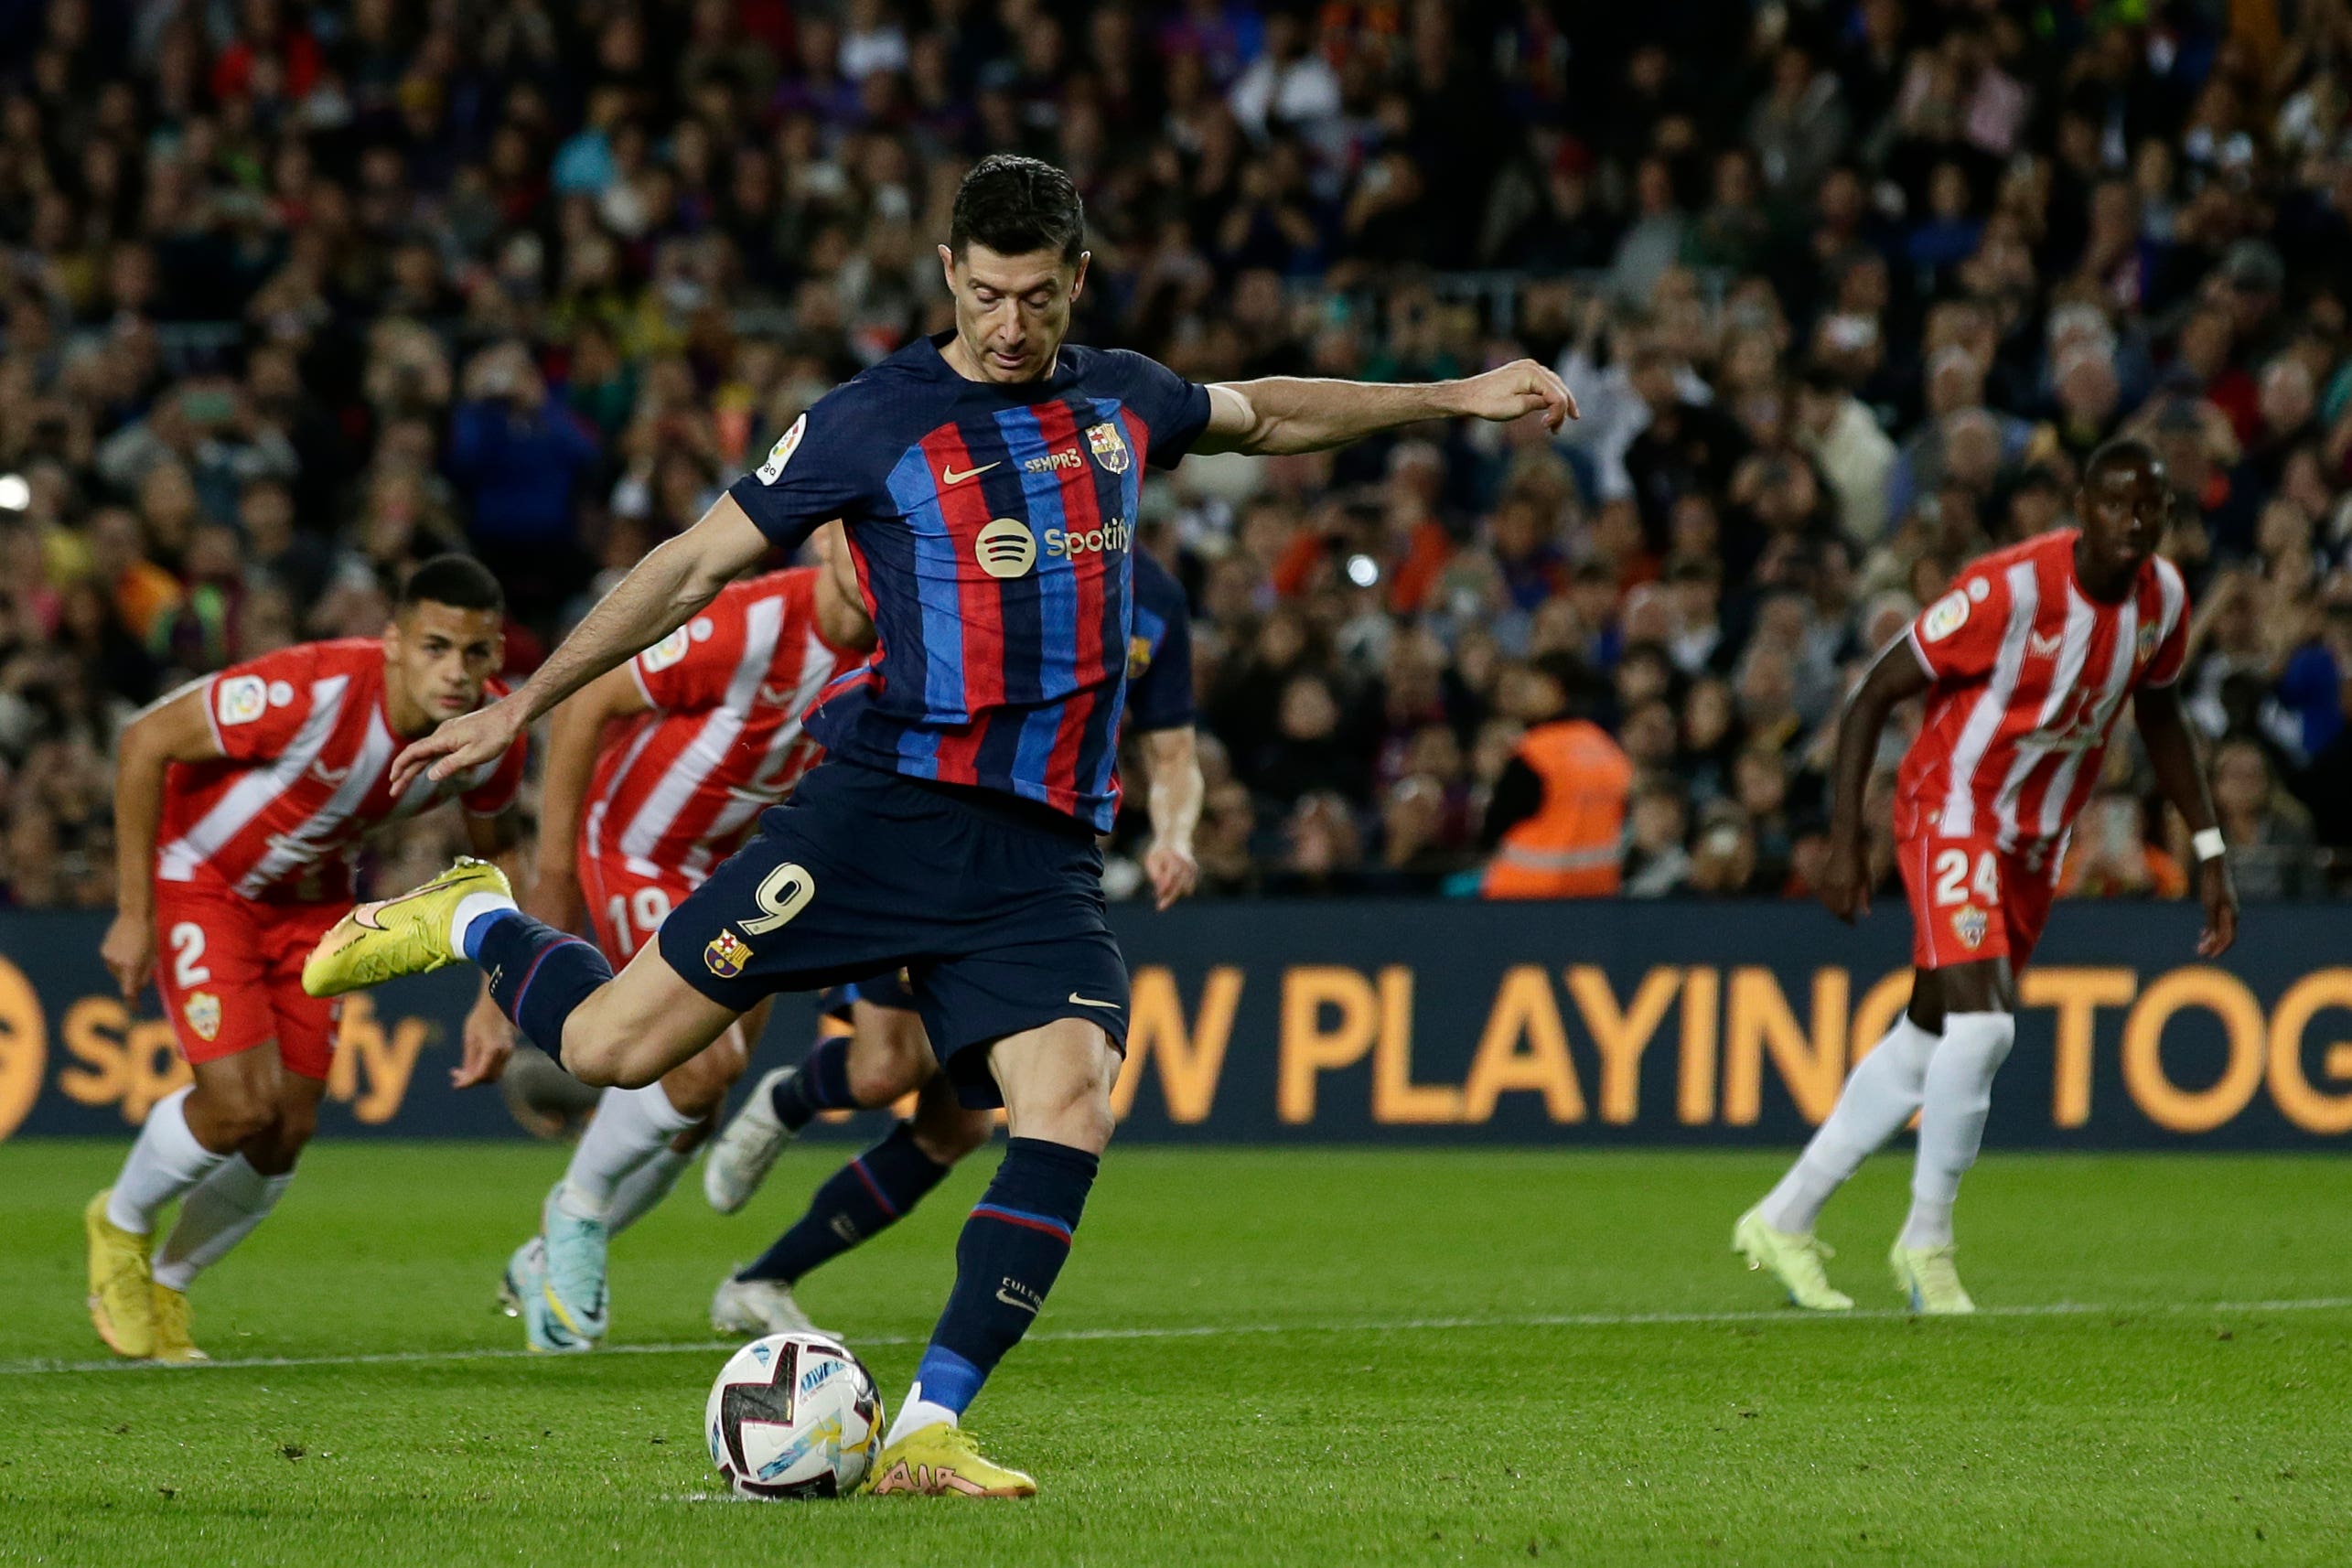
(636,1193)
(630,1126)
(1873,1107)
(916,1413)
(1959,1095)
(221,1211)
(472,908)
(165,1161)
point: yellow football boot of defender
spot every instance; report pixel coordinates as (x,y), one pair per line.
(172,1341)
(942,1461)
(393,937)
(1925,1276)
(122,1294)
(1791,1258)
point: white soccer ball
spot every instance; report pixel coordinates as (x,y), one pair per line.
(793,1415)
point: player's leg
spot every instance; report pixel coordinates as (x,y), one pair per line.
(1055,1085)
(1980,1027)
(698,1091)
(214,995)
(1878,1101)
(864,1198)
(883,1055)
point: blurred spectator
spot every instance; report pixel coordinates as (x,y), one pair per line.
(298,295)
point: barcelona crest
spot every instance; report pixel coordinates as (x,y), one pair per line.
(727,954)
(1968,925)
(204,1015)
(1139,657)
(1110,446)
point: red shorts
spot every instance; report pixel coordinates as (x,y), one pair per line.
(628,901)
(1972,900)
(230,974)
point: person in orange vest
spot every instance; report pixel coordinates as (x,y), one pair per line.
(1555,823)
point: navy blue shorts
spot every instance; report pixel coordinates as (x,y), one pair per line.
(992,904)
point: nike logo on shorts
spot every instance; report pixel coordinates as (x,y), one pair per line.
(1090,1002)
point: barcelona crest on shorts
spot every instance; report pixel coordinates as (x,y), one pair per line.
(1110,446)
(726,955)
(204,1015)
(1968,926)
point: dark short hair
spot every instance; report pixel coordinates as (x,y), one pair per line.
(2123,449)
(1015,206)
(458,580)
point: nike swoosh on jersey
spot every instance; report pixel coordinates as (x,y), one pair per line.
(1090,1002)
(776,696)
(948,476)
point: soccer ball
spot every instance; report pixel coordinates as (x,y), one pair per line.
(793,1415)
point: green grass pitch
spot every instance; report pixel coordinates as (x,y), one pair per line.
(1310,1356)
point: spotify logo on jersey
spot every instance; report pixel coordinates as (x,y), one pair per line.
(1005,548)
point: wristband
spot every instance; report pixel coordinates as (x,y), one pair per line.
(2208,844)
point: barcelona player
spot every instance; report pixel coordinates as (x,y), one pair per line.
(989,479)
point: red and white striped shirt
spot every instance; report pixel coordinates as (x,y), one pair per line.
(2029,674)
(681,789)
(306,751)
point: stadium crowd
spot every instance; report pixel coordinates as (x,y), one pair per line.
(298,295)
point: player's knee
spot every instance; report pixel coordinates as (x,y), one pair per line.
(949,1134)
(236,1116)
(887,1062)
(699,1085)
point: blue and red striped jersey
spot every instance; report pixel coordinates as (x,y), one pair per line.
(991,527)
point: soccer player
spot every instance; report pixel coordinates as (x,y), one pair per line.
(989,479)
(241,802)
(2025,664)
(887,1055)
(657,771)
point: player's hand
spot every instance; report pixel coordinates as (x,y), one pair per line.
(468,741)
(1845,883)
(2219,893)
(1521,387)
(129,950)
(1173,870)
(490,1043)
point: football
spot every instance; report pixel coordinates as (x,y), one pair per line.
(793,1415)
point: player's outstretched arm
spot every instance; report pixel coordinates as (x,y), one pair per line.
(1176,791)
(172,729)
(1292,413)
(659,593)
(2172,752)
(1894,678)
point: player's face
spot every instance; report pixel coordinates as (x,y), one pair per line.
(2123,510)
(1012,312)
(441,656)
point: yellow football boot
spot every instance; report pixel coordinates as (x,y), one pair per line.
(1791,1258)
(942,1461)
(121,1295)
(173,1342)
(1925,1276)
(393,937)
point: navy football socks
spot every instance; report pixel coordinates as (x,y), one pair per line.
(865,1196)
(1012,1248)
(538,974)
(821,1084)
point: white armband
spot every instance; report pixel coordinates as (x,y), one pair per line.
(2208,844)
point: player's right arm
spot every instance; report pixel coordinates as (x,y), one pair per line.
(573,737)
(1896,677)
(661,592)
(177,728)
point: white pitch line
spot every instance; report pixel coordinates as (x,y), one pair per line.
(1226,1330)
